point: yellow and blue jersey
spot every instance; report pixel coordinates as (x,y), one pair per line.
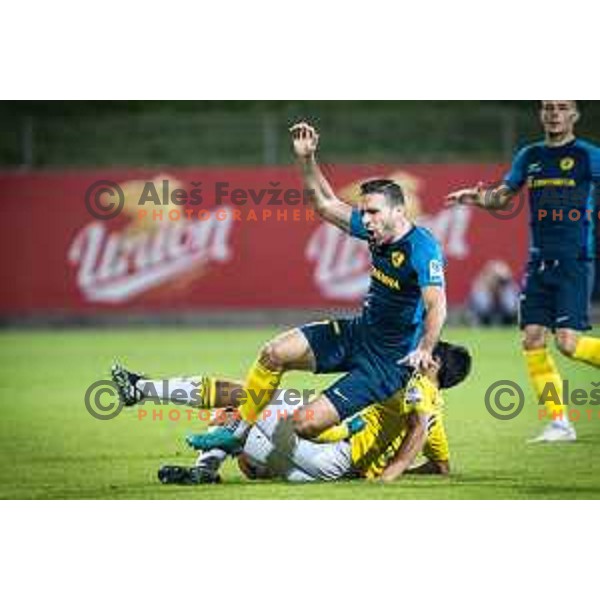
(393,310)
(560,181)
(370,348)
(385,426)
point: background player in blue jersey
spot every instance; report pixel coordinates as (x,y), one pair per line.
(559,173)
(396,332)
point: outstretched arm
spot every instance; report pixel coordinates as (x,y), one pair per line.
(490,198)
(328,206)
(412,444)
(499,196)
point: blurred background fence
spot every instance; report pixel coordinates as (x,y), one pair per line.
(166,133)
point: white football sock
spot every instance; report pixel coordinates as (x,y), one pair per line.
(180,389)
(212,459)
(563,420)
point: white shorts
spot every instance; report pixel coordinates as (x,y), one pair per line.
(273,443)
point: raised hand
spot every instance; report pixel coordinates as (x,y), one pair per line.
(305,140)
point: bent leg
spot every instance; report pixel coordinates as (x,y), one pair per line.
(584,349)
(293,349)
(288,351)
(573,311)
(566,341)
(314,418)
(274,449)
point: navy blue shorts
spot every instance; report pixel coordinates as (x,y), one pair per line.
(557,294)
(371,375)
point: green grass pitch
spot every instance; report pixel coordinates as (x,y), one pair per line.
(50,447)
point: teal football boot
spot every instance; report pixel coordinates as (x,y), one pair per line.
(223,438)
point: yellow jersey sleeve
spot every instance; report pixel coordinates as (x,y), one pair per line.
(420,396)
(436,447)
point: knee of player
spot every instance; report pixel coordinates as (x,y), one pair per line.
(566,342)
(534,340)
(272,356)
(306,427)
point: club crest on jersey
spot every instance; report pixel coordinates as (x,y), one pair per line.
(397,259)
(567,163)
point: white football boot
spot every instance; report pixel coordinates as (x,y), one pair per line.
(556,431)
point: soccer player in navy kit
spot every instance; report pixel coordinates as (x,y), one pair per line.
(559,173)
(378,351)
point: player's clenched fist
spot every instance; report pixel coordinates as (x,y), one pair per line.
(305,139)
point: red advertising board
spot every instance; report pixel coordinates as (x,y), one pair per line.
(199,239)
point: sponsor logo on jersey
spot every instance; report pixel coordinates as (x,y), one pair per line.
(551,182)
(413,395)
(436,269)
(384,278)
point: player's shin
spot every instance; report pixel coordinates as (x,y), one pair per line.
(546,382)
(261,383)
(211,460)
(588,351)
(196,391)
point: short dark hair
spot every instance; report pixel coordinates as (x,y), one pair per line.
(455,364)
(388,187)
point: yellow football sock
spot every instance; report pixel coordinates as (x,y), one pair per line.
(337,433)
(260,384)
(546,381)
(208,392)
(588,351)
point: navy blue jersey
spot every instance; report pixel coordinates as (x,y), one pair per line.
(561,182)
(393,311)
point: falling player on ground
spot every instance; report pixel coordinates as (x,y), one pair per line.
(380,442)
